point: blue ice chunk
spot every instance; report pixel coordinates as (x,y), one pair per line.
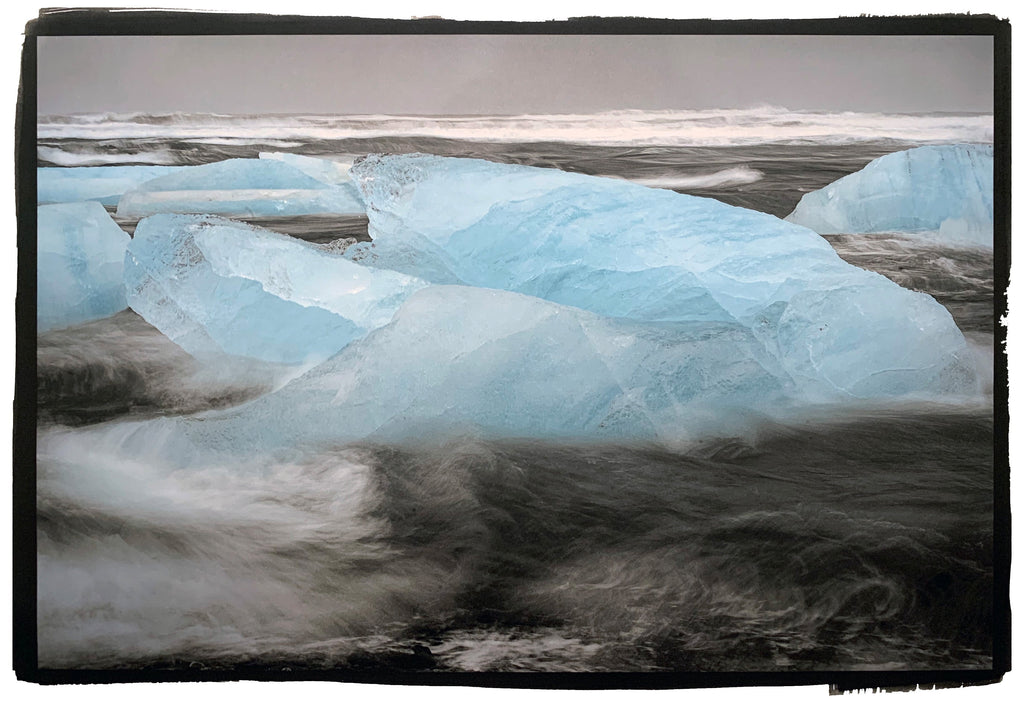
(327,171)
(103,184)
(79,264)
(624,250)
(235,174)
(945,190)
(240,203)
(460,361)
(240,187)
(215,286)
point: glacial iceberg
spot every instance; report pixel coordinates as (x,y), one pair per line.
(465,360)
(240,187)
(944,189)
(623,250)
(103,184)
(79,264)
(215,286)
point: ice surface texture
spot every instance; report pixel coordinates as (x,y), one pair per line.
(471,361)
(103,184)
(79,267)
(327,171)
(944,188)
(623,250)
(215,286)
(240,187)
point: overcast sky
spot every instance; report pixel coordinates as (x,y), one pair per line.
(511,74)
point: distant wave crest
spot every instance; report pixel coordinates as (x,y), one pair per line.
(623,127)
(733,176)
(63,158)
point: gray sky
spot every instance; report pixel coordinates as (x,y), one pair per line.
(511,74)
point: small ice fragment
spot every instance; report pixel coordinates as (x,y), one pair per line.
(79,264)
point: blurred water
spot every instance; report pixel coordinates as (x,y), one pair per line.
(766,177)
(862,542)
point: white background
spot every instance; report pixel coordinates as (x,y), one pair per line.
(16,13)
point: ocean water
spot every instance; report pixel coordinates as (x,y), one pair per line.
(826,542)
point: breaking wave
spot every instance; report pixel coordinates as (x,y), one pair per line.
(622,127)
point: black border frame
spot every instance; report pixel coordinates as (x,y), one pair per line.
(98,22)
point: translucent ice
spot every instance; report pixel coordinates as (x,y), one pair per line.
(214,286)
(240,187)
(466,360)
(327,171)
(103,184)
(623,250)
(80,259)
(235,174)
(943,188)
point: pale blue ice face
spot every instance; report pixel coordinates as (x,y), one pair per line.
(103,184)
(214,286)
(460,360)
(623,250)
(326,171)
(944,189)
(79,266)
(244,187)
